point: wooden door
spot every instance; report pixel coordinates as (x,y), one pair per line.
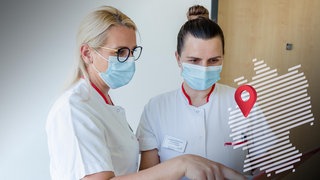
(262,29)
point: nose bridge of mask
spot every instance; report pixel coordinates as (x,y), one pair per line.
(200,77)
(114,64)
(202,72)
(213,71)
(195,70)
(214,68)
(128,65)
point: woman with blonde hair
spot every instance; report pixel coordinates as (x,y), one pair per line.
(88,136)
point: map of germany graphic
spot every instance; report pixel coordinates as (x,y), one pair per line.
(282,103)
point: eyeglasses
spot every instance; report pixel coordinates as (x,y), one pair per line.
(124,53)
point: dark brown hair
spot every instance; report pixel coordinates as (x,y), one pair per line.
(202,28)
(197,11)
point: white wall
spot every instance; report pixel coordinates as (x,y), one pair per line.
(37,42)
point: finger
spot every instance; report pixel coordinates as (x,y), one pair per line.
(215,169)
(210,175)
(218,173)
(232,174)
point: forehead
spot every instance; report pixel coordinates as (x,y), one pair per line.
(196,46)
(120,36)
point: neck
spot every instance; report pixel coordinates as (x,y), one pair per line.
(105,96)
(99,85)
(97,81)
(197,97)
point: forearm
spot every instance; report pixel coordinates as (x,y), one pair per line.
(171,169)
(149,159)
(191,166)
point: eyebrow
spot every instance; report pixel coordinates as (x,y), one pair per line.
(216,57)
(119,47)
(192,57)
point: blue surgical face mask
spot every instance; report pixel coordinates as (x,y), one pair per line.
(117,74)
(200,77)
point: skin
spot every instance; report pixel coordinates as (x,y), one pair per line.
(121,37)
(192,166)
(118,36)
(203,53)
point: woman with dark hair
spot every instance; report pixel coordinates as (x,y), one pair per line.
(194,118)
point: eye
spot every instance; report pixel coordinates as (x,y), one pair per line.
(123,52)
(214,60)
(194,61)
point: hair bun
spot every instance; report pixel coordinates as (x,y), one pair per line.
(197,11)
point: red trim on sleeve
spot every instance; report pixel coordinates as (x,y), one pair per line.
(234,143)
(188,97)
(102,95)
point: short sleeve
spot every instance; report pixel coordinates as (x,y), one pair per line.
(77,145)
(146,131)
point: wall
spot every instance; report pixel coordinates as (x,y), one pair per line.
(261,29)
(37,49)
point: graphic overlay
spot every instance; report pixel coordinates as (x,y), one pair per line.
(245,105)
(282,104)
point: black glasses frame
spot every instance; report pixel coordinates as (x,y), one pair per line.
(124,59)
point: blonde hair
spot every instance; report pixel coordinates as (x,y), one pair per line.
(197,11)
(93,31)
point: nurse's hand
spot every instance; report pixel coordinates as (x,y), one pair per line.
(197,167)
(191,166)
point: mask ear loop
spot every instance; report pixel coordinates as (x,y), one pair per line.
(100,55)
(181,67)
(94,67)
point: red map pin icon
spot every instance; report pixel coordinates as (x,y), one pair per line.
(245,106)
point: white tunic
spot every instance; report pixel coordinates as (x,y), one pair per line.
(86,136)
(169,124)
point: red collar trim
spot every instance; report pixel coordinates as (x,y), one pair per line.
(102,95)
(188,97)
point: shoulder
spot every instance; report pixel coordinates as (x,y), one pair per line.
(161,102)
(163,98)
(62,103)
(225,89)
(225,94)
(71,98)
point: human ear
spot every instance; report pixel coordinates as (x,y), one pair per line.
(178,59)
(86,51)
